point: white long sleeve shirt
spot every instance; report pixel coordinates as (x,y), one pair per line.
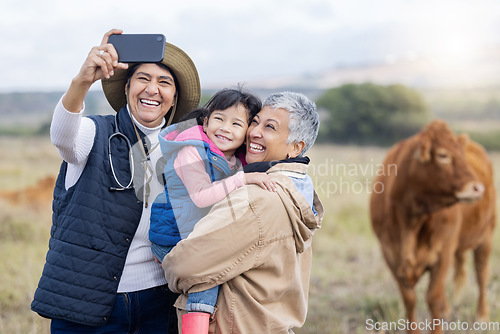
(73,135)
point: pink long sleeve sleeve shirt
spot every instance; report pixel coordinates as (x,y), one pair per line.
(203,192)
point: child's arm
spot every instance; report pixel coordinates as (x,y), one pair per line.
(191,170)
(261,179)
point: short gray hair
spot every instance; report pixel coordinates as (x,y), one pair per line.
(304,118)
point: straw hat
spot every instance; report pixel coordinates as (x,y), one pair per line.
(184,70)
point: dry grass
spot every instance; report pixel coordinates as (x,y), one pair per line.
(24,232)
(350,282)
(26,160)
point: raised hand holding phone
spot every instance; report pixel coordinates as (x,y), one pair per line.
(100,63)
(115,51)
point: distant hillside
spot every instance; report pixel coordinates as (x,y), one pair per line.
(26,108)
(467,94)
(29,111)
(32,109)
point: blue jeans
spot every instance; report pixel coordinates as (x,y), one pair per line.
(148,311)
(203,301)
(160,251)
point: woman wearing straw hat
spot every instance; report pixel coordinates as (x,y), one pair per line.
(100,275)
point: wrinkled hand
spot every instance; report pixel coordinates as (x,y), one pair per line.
(261,179)
(98,66)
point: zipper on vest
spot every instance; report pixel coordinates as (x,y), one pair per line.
(126,298)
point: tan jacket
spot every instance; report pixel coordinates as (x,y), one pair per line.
(256,245)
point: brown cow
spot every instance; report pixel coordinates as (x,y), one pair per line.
(438,204)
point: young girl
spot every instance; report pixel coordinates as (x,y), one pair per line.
(201,168)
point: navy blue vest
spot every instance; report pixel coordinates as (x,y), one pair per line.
(91,232)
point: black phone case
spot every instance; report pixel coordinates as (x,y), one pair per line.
(139,48)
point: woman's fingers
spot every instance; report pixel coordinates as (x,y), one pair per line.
(101,61)
(110,49)
(109,33)
(108,60)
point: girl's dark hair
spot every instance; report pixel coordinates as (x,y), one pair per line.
(224,99)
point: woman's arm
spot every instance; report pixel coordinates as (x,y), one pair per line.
(72,134)
(69,132)
(229,237)
(96,67)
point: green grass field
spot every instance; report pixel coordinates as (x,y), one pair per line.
(350,283)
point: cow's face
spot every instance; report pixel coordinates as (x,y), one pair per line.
(440,168)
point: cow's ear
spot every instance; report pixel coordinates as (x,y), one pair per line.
(463,139)
(423,152)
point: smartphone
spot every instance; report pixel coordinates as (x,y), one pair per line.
(139,48)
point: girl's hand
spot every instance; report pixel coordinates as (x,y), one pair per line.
(261,179)
(101,61)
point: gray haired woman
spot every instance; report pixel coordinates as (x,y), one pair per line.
(259,243)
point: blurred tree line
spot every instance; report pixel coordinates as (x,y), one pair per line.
(358,114)
(370,114)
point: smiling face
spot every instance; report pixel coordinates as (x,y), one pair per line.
(150,94)
(267,136)
(227,128)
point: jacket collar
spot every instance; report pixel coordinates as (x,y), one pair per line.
(126,127)
(264,166)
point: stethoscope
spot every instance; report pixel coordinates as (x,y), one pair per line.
(144,161)
(115,134)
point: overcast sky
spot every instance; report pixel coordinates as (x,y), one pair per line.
(44,43)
